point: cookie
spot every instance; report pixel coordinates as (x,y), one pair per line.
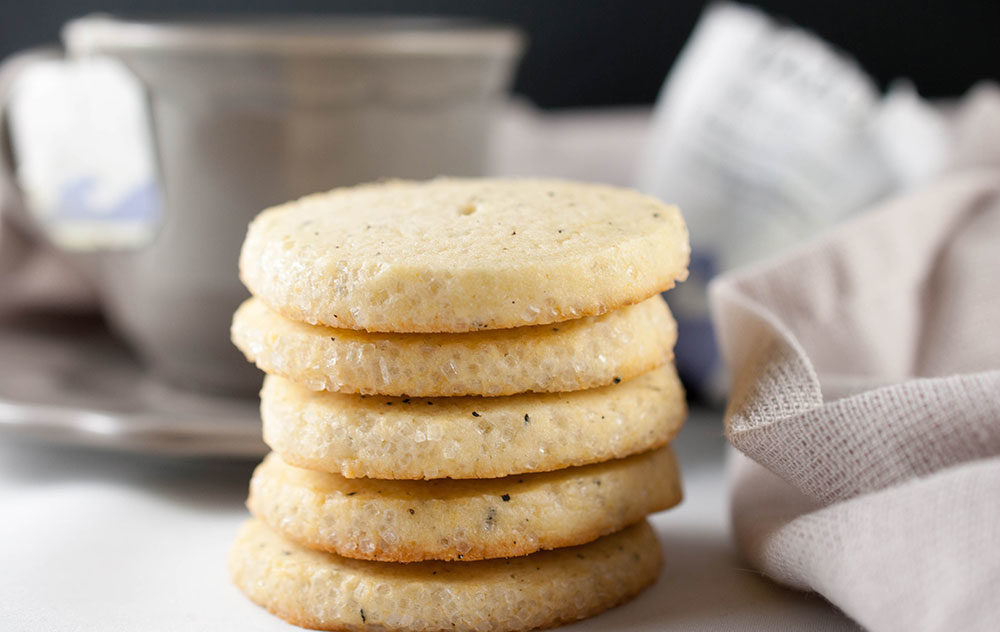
(469,437)
(409,521)
(327,592)
(457,255)
(569,356)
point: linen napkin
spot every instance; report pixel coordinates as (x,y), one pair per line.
(865,401)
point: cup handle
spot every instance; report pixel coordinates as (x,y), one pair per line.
(11,201)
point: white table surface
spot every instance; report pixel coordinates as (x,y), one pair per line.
(93,541)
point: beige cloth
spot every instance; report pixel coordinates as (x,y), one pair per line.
(866,394)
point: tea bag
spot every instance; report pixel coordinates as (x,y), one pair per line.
(765,135)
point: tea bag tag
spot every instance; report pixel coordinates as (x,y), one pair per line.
(85,161)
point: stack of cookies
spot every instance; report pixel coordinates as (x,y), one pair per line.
(470,397)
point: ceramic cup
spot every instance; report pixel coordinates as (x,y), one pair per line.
(236,115)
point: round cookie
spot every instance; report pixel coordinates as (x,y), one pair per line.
(574,355)
(410,521)
(469,437)
(456,255)
(327,592)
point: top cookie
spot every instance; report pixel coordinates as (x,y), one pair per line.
(456,255)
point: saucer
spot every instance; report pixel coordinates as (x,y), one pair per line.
(69,380)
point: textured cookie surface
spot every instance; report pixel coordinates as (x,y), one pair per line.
(469,437)
(328,592)
(408,521)
(569,356)
(454,255)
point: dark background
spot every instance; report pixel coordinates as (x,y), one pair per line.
(601,52)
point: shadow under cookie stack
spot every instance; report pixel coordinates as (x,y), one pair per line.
(470,397)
